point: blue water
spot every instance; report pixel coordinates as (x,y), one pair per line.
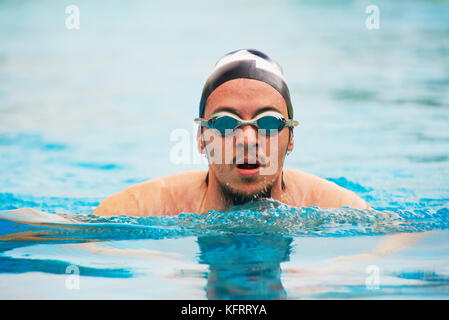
(86,113)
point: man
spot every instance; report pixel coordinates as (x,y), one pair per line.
(245,129)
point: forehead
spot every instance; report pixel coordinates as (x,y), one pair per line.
(246,97)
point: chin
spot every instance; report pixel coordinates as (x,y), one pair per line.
(250,189)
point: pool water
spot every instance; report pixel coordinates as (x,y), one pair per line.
(86,113)
(263,250)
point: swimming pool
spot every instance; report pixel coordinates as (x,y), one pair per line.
(85,113)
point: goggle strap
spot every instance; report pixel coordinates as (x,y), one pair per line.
(291,123)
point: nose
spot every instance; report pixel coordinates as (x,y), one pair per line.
(246,136)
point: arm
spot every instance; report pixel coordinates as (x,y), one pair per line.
(121,203)
(350,199)
(387,247)
(156,197)
(142,199)
(331,195)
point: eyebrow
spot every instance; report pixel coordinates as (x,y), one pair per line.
(235,111)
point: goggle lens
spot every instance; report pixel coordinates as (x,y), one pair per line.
(269,125)
(225,123)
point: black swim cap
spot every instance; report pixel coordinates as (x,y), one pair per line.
(250,64)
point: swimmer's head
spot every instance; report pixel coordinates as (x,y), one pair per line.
(246,163)
(246,64)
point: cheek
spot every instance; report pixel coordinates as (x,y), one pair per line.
(219,150)
(275,146)
(221,171)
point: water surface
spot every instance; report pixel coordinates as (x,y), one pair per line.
(86,113)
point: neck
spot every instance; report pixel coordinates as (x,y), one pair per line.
(220,200)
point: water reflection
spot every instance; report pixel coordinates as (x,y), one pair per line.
(244,266)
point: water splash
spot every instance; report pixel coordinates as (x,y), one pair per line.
(263,217)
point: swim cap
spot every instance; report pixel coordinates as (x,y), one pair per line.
(250,64)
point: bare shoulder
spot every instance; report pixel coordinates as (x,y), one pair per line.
(160,196)
(313,190)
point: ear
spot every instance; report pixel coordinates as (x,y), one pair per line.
(291,141)
(200,141)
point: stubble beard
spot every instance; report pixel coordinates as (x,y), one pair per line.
(234,197)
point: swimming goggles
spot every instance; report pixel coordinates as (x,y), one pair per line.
(269,123)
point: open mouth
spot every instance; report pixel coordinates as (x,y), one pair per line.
(248,169)
(247,166)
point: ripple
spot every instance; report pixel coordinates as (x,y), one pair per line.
(355,95)
(29,141)
(263,217)
(429,159)
(353,186)
(99,166)
(10,201)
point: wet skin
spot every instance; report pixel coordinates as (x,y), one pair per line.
(192,192)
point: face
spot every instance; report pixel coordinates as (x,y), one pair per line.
(248,163)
